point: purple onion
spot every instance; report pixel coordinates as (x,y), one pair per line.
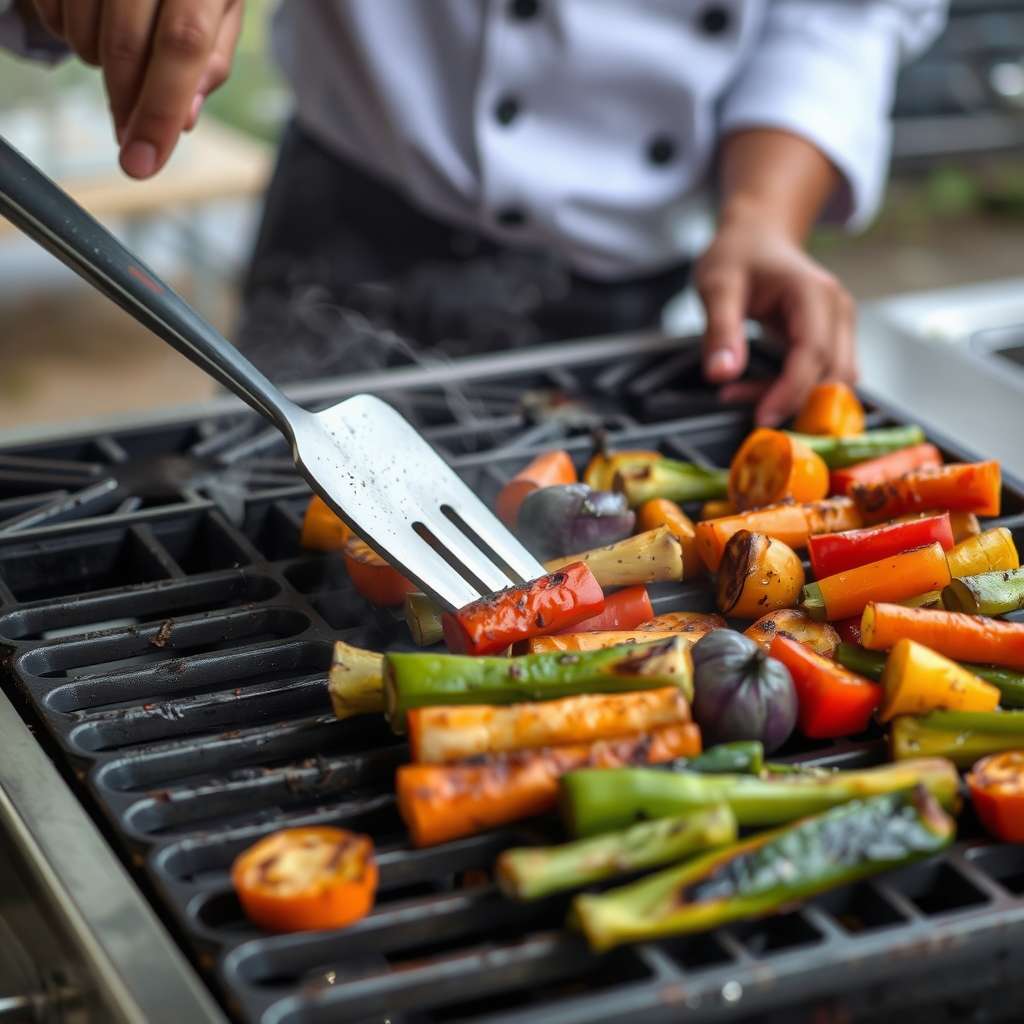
(567,519)
(740,693)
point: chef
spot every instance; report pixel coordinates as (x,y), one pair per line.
(520,170)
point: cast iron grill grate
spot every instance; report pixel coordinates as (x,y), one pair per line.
(170,639)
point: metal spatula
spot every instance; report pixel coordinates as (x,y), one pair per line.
(365,460)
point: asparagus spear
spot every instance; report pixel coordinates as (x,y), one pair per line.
(670,478)
(961,736)
(840,452)
(355,681)
(424,678)
(870,664)
(988,593)
(595,802)
(770,871)
(529,872)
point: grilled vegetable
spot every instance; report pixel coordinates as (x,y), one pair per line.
(438,735)
(601,470)
(322,530)
(790,522)
(546,470)
(771,871)
(796,624)
(894,578)
(424,678)
(355,681)
(832,553)
(529,872)
(654,556)
(965,524)
(672,479)
(960,736)
(596,640)
(831,409)
(757,574)
(886,467)
(301,879)
(870,664)
(745,756)
(595,802)
(989,593)
(373,576)
(439,803)
(772,466)
(832,700)
(739,692)
(989,551)
(571,517)
(623,609)
(697,623)
(965,486)
(662,512)
(997,792)
(916,680)
(840,452)
(954,634)
(545,605)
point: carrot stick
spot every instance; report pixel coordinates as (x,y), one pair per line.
(662,512)
(547,469)
(595,640)
(439,803)
(440,735)
(964,486)
(790,522)
(961,637)
(773,466)
(890,466)
(833,409)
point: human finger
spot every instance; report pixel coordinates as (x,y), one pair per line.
(81,28)
(182,41)
(51,14)
(124,39)
(724,351)
(218,67)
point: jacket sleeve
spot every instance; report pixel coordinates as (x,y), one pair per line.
(826,70)
(27,40)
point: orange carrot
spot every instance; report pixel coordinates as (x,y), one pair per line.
(895,578)
(547,469)
(790,522)
(322,530)
(715,508)
(595,640)
(441,735)
(772,466)
(890,466)
(957,635)
(832,408)
(662,512)
(623,609)
(963,486)
(439,803)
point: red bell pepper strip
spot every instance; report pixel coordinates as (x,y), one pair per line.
(833,701)
(886,467)
(623,609)
(848,629)
(556,601)
(962,486)
(832,553)
(996,783)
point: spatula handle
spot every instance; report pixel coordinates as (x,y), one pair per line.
(47,214)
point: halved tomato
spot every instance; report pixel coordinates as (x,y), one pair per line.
(375,578)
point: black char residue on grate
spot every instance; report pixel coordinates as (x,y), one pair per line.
(171,639)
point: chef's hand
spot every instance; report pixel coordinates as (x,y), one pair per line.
(773,186)
(160,59)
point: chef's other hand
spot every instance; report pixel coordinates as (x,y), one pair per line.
(160,60)
(773,186)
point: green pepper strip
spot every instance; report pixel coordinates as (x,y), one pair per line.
(840,452)
(870,664)
(595,800)
(529,872)
(742,756)
(770,871)
(961,736)
(672,479)
(421,679)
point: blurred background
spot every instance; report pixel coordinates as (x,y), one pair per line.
(954,212)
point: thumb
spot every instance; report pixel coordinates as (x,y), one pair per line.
(725,342)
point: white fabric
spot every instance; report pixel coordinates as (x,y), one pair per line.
(408,89)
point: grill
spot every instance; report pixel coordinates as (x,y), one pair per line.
(167,640)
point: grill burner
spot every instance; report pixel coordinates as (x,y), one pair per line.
(170,648)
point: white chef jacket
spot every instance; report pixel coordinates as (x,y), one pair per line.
(589,127)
